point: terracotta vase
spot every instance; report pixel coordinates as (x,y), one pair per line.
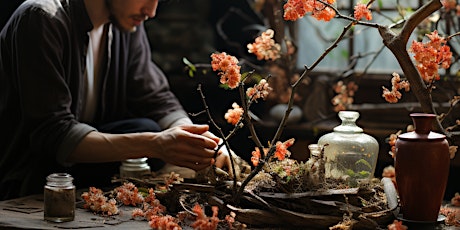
(422,167)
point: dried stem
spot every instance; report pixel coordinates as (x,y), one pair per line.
(256,140)
(221,133)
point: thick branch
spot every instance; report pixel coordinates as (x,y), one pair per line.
(418,17)
(397,43)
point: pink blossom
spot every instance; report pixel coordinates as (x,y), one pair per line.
(228,67)
(362,11)
(295,9)
(97,202)
(397,84)
(129,194)
(260,90)
(234,115)
(202,221)
(430,56)
(264,47)
(281,149)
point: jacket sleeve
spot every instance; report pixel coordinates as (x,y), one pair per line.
(40,80)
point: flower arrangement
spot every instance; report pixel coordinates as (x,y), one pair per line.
(420,74)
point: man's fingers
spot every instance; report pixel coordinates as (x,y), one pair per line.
(195,129)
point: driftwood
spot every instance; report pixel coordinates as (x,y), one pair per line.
(371,205)
(312,210)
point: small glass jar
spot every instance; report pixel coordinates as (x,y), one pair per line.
(135,168)
(350,154)
(315,165)
(315,156)
(59,198)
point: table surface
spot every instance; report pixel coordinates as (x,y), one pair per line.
(27,213)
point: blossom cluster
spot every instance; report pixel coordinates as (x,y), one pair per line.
(396,85)
(281,151)
(452,212)
(204,222)
(129,194)
(234,115)
(452,216)
(362,11)
(97,202)
(164,222)
(430,56)
(344,97)
(451,5)
(392,142)
(397,225)
(295,9)
(150,208)
(228,67)
(260,90)
(264,47)
(230,75)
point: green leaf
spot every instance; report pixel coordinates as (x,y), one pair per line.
(350,172)
(192,68)
(364,174)
(187,62)
(244,75)
(364,162)
(224,86)
(143,191)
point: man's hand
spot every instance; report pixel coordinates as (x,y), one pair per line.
(223,160)
(187,146)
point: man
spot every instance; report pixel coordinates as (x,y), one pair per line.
(77,85)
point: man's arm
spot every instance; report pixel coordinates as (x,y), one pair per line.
(182,146)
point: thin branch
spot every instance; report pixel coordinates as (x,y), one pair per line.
(221,133)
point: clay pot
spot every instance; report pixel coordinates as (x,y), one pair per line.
(422,167)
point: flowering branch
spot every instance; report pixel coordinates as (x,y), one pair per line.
(265,48)
(397,45)
(221,133)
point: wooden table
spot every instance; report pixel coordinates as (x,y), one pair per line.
(27,213)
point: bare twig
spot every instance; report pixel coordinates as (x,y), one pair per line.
(221,133)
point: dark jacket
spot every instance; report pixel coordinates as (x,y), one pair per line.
(42,63)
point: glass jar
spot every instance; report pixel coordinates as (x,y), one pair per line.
(136,168)
(350,154)
(315,155)
(315,165)
(59,198)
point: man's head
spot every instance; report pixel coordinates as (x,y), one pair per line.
(128,14)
